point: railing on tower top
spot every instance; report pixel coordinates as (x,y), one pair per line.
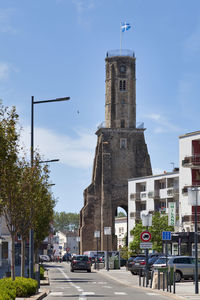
(139,125)
(122,52)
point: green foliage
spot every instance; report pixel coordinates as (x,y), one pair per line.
(159,224)
(124,253)
(121,214)
(25,286)
(62,220)
(20,287)
(42,270)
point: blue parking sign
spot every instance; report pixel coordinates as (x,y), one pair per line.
(166,236)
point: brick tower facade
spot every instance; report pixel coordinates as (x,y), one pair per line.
(121,153)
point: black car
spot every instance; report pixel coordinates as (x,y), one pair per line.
(138,265)
(67,257)
(130,261)
(80,262)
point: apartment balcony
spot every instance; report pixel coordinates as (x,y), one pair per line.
(135,215)
(143,195)
(135,196)
(191,161)
(172,192)
(156,194)
(151,194)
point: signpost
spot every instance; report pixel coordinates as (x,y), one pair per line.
(107,231)
(146,245)
(166,236)
(145,236)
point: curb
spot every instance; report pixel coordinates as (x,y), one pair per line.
(167,294)
(38,296)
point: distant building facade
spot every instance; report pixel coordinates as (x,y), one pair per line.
(121,231)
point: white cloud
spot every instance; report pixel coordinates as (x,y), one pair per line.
(163,125)
(75,152)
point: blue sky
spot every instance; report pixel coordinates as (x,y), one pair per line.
(56,48)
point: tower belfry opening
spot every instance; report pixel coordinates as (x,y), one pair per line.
(121,153)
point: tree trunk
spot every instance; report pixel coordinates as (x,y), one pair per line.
(23,242)
(13,257)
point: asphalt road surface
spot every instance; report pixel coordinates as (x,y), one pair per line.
(92,286)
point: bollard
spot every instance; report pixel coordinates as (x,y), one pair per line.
(174,280)
(152,273)
(158,279)
(167,283)
(143,280)
(140,277)
(170,280)
(163,280)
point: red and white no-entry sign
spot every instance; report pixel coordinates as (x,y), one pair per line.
(145,236)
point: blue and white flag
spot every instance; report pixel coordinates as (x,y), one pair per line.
(125,26)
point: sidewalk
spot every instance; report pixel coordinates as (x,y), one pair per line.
(184,290)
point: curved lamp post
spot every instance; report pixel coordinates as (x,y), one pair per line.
(31,233)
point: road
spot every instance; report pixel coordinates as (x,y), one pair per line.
(82,285)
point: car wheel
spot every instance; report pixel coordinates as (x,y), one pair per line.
(133,273)
(72,270)
(88,271)
(178,276)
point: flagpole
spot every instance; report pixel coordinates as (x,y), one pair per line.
(120,40)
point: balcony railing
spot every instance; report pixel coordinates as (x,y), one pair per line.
(172,192)
(122,52)
(135,196)
(191,161)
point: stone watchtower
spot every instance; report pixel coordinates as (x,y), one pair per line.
(121,153)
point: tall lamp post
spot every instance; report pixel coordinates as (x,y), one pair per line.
(194,200)
(31,232)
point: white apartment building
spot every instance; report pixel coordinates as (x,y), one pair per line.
(121,231)
(189,166)
(152,193)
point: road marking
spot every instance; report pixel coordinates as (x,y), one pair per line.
(107,287)
(152,294)
(56,293)
(120,293)
(87,293)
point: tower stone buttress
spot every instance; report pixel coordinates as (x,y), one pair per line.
(121,153)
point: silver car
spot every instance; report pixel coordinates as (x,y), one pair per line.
(184,265)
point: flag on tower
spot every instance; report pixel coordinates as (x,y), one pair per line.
(125,26)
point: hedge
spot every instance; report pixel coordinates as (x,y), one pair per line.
(20,287)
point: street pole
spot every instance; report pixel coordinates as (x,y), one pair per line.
(31,232)
(196,246)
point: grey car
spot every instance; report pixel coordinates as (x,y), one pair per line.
(184,266)
(80,262)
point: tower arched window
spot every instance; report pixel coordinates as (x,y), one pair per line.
(122,123)
(122,85)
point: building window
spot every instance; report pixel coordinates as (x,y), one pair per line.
(123,143)
(122,68)
(122,85)
(122,123)
(123,101)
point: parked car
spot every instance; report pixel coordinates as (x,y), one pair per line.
(131,261)
(185,266)
(138,265)
(80,262)
(44,258)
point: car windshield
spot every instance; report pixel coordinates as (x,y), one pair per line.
(81,258)
(161,260)
(139,258)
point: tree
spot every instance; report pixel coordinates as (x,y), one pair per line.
(159,224)
(9,173)
(62,221)
(121,214)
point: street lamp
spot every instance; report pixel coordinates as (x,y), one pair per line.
(194,200)
(31,232)
(48,161)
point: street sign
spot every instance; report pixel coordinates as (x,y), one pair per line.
(172,214)
(166,236)
(107,230)
(146,245)
(145,236)
(97,234)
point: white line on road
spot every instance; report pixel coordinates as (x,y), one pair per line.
(56,293)
(152,294)
(120,293)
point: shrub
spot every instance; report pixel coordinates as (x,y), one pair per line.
(25,286)
(20,287)
(42,270)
